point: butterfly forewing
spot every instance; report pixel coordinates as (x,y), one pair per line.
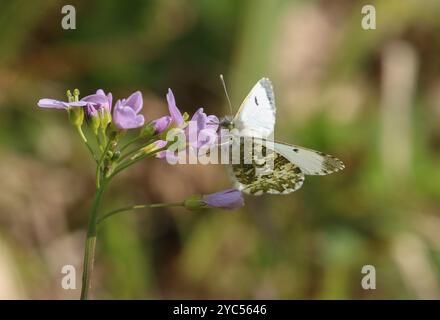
(310,161)
(256,116)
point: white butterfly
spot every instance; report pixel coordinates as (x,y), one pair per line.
(256,118)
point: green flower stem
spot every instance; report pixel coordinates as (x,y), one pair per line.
(99,142)
(81,133)
(83,137)
(101,184)
(129,143)
(139,206)
(104,136)
(129,153)
(89,251)
(126,164)
(100,162)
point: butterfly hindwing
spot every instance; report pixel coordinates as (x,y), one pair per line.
(256,178)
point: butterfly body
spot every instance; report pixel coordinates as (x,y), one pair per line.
(227,123)
(277,168)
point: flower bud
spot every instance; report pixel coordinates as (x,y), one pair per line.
(103,105)
(92,118)
(156,145)
(230,199)
(116,155)
(148,131)
(105,117)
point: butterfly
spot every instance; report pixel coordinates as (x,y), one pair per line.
(255,121)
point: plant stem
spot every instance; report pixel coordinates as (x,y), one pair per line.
(129,143)
(83,137)
(99,164)
(101,183)
(89,251)
(129,153)
(104,136)
(139,206)
(99,142)
(128,163)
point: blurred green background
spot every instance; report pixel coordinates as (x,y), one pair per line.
(369,97)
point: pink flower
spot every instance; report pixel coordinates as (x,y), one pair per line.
(126,112)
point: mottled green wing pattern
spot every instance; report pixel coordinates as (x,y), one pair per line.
(256,179)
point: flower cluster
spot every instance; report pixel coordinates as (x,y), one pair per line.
(109,123)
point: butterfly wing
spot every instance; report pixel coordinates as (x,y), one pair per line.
(255,178)
(285,178)
(310,162)
(256,116)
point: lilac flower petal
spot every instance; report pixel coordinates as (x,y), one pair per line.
(205,128)
(206,137)
(96,99)
(91,111)
(196,124)
(209,135)
(230,199)
(139,121)
(212,122)
(200,117)
(76,103)
(116,109)
(161,124)
(160,144)
(100,101)
(135,101)
(110,100)
(51,103)
(56,104)
(175,113)
(125,113)
(128,119)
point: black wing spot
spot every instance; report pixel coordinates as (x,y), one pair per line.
(295,150)
(256,101)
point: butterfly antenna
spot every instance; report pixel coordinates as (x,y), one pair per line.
(226,93)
